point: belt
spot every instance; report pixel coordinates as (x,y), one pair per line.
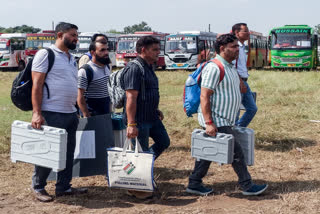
(244,79)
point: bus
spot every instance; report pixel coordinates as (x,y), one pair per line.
(85,40)
(184,50)
(37,41)
(293,46)
(126,47)
(257,50)
(12,51)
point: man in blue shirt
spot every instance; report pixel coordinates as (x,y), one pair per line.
(241,31)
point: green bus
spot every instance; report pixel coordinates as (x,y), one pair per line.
(293,46)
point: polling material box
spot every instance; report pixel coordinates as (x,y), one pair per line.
(245,136)
(119,129)
(219,149)
(45,147)
(97,144)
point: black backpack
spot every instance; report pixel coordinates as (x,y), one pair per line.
(22,85)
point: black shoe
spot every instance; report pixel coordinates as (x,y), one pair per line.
(42,195)
(72,191)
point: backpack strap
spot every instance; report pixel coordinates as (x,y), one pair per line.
(221,68)
(89,73)
(51,58)
(143,87)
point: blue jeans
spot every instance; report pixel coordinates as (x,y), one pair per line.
(157,132)
(239,166)
(250,106)
(40,174)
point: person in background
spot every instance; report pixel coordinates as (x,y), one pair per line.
(93,98)
(85,58)
(241,31)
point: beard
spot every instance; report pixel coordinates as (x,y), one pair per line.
(103,60)
(69,44)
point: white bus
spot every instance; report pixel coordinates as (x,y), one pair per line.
(12,51)
(184,50)
(84,43)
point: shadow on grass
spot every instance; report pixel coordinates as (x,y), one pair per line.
(173,194)
(179,148)
(104,197)
(275,189)
(166,174)
(282,145)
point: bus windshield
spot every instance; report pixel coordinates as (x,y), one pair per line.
(3,46)
(182,46)
(291,40)
(84,45)
(127,46)
(38,44)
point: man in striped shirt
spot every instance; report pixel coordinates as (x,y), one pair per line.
(220,103)
(93,98)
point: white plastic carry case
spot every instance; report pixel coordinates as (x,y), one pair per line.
(245,136)
(219,149)
(46,147)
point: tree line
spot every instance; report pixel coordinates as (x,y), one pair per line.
(143,26)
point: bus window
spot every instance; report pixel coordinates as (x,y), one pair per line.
(111,45)
(162,45)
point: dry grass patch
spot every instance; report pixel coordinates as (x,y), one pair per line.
(286,157)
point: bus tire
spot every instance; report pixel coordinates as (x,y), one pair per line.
(21,66)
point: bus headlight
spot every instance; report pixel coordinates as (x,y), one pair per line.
(276,57)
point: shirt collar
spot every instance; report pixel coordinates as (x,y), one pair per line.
(144,62)
(99,66)
(54,47)
(240,44)
(221,59)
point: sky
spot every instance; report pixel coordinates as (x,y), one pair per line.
(167,16)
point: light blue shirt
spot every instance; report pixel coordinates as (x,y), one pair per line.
(241,63)
(61,80)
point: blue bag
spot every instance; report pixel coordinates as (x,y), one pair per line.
(192,88)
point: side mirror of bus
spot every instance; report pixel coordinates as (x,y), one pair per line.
(269,42)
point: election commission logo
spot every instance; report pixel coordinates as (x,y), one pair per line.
(129,168)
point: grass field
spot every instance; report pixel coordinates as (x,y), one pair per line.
(286,156)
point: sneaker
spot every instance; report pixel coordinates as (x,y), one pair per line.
(256,189)
(72,191)
(42,195)
(140,194)
(201,190)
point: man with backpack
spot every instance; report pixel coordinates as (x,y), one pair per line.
(219,105)
(241,31)
(141,109)
(58,109)
(85,58)
(93,98)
